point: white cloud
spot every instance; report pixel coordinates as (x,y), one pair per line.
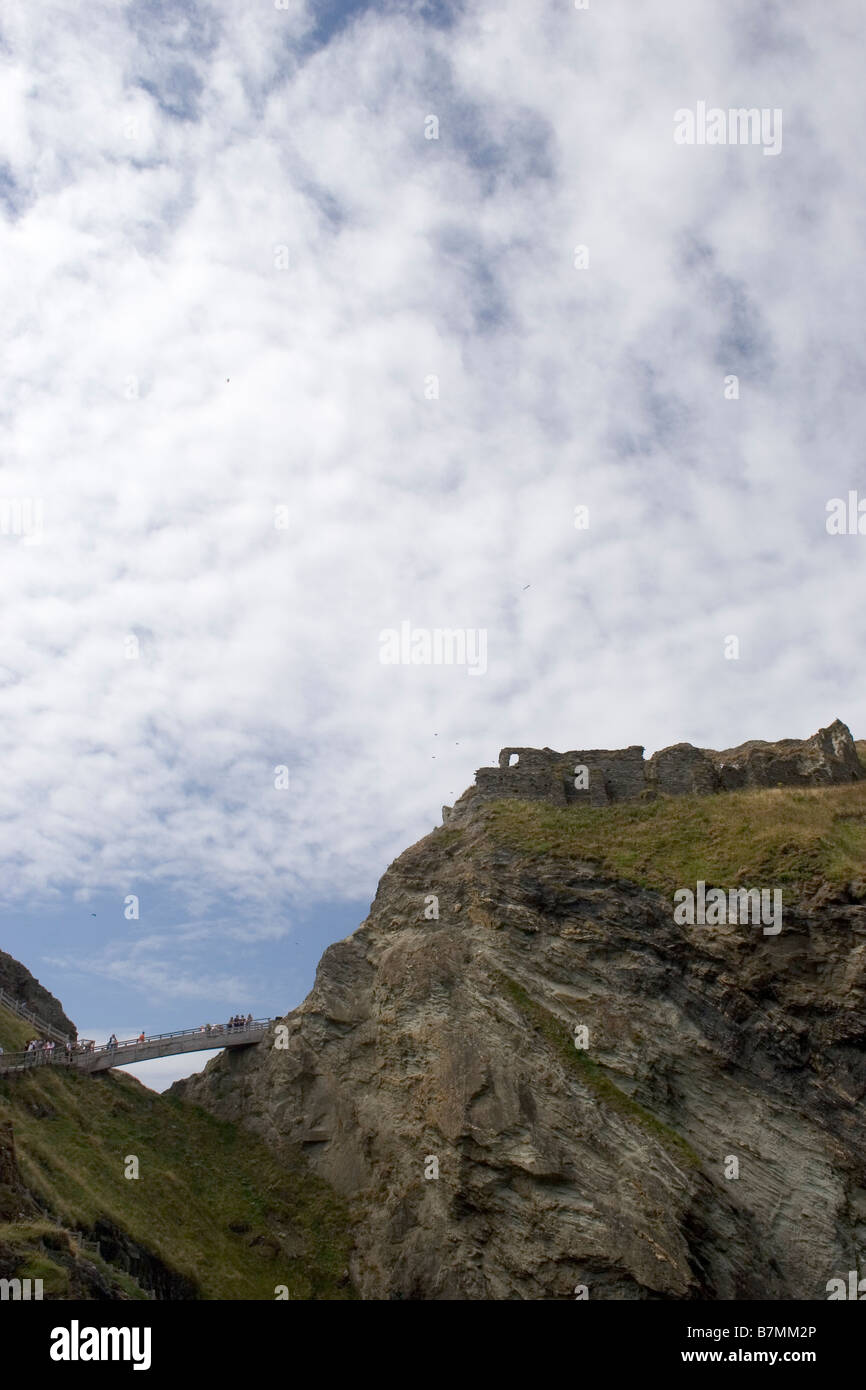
(139,274)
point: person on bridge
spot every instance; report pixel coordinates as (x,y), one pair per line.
(249,1020)
(141,1036)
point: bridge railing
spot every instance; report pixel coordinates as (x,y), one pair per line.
(59,1056)
(213,1030)
(16,1005)
(14,1061)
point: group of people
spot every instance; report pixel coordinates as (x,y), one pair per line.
(238,1021)
(113,1044)
(47,1047)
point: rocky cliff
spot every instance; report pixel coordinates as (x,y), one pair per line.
(17,981)
(530,1080)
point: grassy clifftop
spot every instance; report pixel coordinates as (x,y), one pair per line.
(786,836)
(211,1203)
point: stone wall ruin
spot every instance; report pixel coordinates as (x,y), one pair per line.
(829,757)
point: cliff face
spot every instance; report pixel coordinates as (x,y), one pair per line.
(16,980)
(432,1074)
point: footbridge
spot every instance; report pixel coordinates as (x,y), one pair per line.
(87,1056)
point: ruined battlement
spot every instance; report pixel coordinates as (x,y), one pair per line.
(600,776)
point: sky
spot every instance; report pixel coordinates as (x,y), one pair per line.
(322,322)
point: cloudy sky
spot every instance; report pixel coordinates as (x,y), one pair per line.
(323,318)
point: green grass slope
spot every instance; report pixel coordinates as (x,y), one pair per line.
(787,836)
(15,1033)
(211,1202)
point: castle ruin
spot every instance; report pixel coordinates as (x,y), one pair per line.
(599,776)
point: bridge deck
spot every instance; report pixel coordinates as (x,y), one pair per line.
(125,1053)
